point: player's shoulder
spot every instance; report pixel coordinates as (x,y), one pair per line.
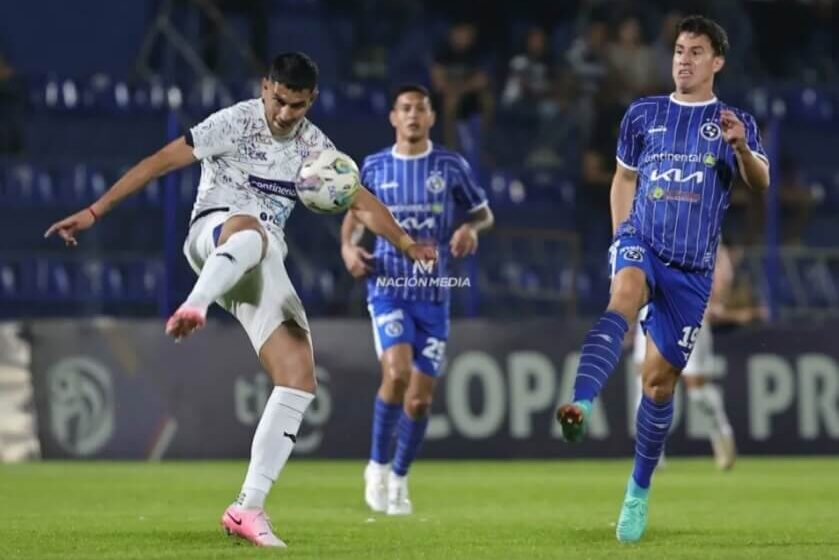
(647,103)
(311,135)
(445,155)
(741,113)
(377,158)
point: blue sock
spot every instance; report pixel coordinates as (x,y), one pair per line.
(408,440)
(651,426)
(600,354)
(385,416)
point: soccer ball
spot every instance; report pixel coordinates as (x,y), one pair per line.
(327,182)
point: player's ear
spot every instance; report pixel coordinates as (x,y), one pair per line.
(719,62)
(314,96)
(392,118)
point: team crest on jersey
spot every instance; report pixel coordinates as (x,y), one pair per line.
(710,131)
(633,253)
(394,329)
(435,182)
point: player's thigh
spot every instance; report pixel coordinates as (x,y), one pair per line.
(242,222)
(287,357)
(675,314)
(658,375)
(393,334)
(633,276)
(432,334)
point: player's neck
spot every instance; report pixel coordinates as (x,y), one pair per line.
(699,96)
(407,148)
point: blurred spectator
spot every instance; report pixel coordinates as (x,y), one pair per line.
(632,60)
(11,109)
(530,74)
(217,11)
(460,81)
(597,170)
(662,50)
(589,64)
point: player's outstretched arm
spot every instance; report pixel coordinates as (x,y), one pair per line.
(623,192)
(375,216)
(465,239)
(173,156)
(356,259)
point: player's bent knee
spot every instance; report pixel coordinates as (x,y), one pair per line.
(417,407)
(659,387)
(397,377)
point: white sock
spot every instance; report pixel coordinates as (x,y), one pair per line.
(272,443)
(225,267)
(710,400)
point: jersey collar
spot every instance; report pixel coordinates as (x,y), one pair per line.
(394,153)
(692,104)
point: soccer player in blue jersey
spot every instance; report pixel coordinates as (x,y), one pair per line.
(678,158)
(409,304)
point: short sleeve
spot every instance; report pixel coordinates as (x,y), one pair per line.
(467,192)
(753,137)
(368,175)
(630,140)
(214,136)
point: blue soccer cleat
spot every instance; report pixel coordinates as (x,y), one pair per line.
(633,517)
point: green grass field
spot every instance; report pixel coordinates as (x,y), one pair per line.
(765,508)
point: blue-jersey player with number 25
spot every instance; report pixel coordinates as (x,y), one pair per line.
(421,184)
(678,158)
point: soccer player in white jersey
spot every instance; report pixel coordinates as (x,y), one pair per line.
(421,183)
(700,368)
(678,158)
(250,154)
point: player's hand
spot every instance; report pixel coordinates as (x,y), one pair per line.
(71,225)
(357,260)
(464,241)
(421,252)
(733,129)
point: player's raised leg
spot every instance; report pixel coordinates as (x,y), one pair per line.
(241,246)
(396,372)
(287,357)
(653,421)
(602,349)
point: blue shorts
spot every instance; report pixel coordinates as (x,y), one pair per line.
(677,298)
(422,324)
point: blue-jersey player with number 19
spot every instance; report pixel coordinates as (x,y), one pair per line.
(421,184)
(678,158)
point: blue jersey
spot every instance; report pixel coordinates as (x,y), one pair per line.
(421,191)
(685,174)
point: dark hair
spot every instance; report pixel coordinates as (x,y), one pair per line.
(408,88)
(294,70)
(700,25)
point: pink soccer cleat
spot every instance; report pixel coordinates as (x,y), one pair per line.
(250,524)
(185,321)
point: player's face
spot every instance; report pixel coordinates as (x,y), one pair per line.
(694,62)
(284,107)
(412,116)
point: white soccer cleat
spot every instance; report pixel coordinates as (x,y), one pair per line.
(375,486)
(725,450)
(397,495)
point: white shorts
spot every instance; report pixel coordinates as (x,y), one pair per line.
(701,361)
(264,298)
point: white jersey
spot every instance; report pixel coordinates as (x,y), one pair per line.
(245,168)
